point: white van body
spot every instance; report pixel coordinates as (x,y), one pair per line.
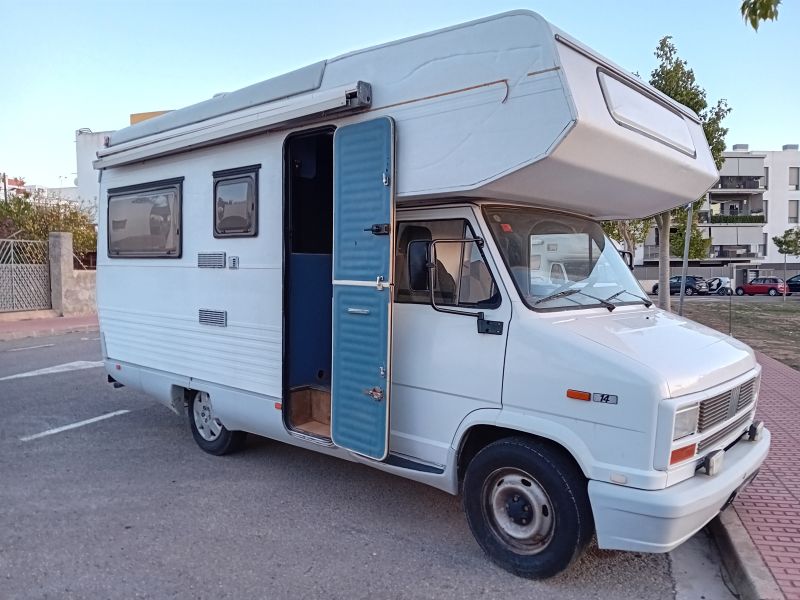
(490,118)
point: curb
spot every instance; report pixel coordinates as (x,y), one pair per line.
(18,335)
(750,574)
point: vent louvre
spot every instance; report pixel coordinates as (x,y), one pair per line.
(217,318)
(211,260)
(723,433)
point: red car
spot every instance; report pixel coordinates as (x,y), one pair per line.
(774,286)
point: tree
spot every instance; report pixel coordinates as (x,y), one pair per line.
(631,233)
(788,243)
(674,78)
(756,11)
(35,216)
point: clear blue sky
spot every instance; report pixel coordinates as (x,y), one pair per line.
(90,63)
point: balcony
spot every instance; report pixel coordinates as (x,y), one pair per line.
(740,183)
(733,218)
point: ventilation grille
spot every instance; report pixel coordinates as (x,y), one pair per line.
(739,425)
(218,318)
(211,260)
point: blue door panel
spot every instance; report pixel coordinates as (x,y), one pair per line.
(363,182)
(362,158)
(360,403)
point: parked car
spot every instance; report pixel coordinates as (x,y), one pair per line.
(794,283)
(721,286)
(694,285)
(773,286)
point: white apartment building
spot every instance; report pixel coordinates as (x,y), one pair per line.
(756,198)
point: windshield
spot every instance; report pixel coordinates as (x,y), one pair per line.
(561,262)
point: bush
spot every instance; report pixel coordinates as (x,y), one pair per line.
(34,217)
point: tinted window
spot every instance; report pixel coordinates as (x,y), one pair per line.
(235,202)
(145,220)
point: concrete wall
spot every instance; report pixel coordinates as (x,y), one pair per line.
(72,291)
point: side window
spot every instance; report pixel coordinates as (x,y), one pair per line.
(236,202)
(461,276)
(144,221)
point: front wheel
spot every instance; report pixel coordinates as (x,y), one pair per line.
(528,507)
(689,291)
(773,292)
(208,431)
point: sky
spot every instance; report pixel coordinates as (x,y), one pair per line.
(70,64)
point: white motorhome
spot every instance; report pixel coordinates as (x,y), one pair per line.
(393,257)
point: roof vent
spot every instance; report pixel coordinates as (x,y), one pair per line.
(791,147)
(741,147)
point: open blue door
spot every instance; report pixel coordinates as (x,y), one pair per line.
(363,241)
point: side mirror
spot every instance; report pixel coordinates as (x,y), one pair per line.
(627,257)
(418,274)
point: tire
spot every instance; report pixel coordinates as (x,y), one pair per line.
(689,291)
(655,290)
(208,432)
(739,291)
(773,292)
(512,478)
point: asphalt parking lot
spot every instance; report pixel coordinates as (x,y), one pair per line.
(129,507)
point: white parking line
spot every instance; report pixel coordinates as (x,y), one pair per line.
(71,366)
(36,436)
(30,347)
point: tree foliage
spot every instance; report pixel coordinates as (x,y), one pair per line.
(788,242)
(631,233)
(35,216)
(757,11)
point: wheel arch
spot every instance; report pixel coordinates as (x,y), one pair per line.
(475,436)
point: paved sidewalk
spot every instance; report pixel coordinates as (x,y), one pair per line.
(13,330)
(770,507)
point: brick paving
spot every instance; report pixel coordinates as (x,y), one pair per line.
(770,507)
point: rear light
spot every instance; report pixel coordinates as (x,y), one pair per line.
(682,454)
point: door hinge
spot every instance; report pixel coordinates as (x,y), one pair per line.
(379,229)
(386,178)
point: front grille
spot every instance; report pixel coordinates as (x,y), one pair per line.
(714,410)
(721,407)
(746,394)
(720,435)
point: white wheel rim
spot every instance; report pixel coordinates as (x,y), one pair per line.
(519,510)
(208,426)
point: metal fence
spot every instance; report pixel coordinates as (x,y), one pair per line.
(24,275)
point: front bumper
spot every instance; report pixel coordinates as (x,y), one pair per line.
(660,520)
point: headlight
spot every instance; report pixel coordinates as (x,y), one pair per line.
(685,422)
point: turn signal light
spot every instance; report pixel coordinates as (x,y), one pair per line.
(681,454)
(578,395)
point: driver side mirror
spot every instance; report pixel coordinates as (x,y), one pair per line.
(418,274)
(627,257)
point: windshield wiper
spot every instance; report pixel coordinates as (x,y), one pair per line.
(570,292)
(647,302)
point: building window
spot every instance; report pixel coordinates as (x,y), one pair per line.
(236,202)
(794,178)
(144,221)
(766,178)
(766,211)
(460,277)
(793,210)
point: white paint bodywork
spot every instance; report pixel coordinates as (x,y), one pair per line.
(499,109)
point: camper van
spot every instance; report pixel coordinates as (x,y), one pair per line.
(394,257)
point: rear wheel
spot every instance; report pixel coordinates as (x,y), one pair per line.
(773,292)
(740,291)
(528,507)
(208,431)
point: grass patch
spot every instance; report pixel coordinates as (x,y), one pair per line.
(769,327)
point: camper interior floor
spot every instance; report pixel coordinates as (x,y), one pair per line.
(310,410)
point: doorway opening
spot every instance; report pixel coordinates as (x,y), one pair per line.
(308,286)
